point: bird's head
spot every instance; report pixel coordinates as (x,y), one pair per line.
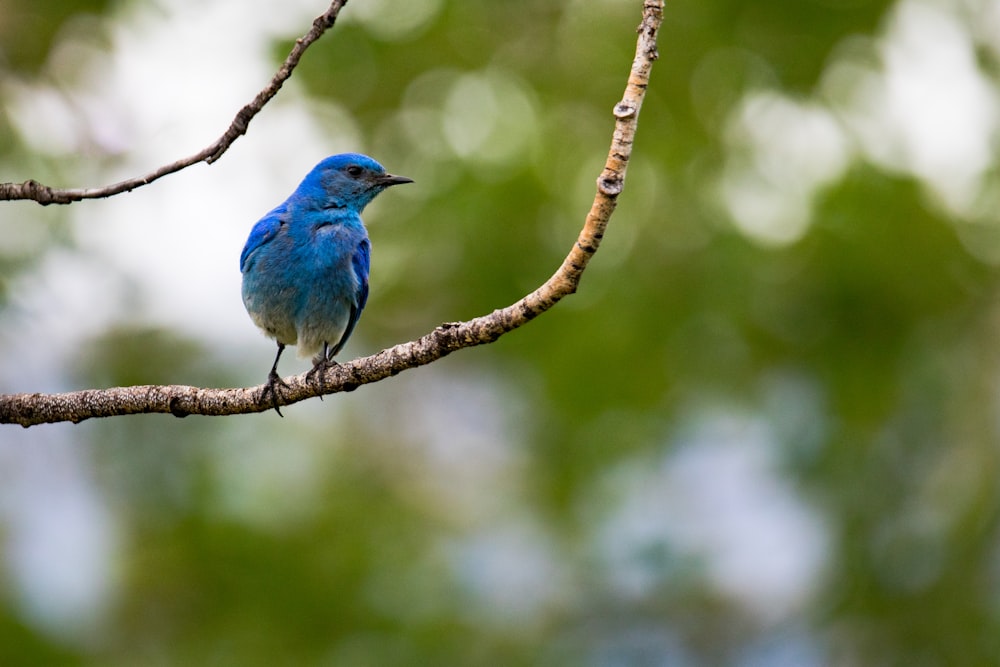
(347,180)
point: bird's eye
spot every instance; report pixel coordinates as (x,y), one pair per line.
(355,171)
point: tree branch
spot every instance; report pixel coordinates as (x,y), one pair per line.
(179,400)
(43,194)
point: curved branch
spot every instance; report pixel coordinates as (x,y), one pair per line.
(43,194)
(30,409)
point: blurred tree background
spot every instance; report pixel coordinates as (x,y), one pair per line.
(765,432)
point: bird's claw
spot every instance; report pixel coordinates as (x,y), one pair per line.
(273,381)
(321,364)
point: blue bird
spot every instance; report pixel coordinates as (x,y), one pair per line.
(305,265)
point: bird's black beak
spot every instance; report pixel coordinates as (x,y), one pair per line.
(389,179)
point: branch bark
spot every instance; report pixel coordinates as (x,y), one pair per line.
(179,400)
(43,194)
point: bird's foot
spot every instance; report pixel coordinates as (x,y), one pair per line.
(273,382)
(321,364)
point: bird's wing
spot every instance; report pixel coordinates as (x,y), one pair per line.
(265,230)
(360,262)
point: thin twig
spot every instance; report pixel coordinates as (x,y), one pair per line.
(30,409)
(43,194)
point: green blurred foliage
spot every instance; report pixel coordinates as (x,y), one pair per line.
(339,545)
(29,29)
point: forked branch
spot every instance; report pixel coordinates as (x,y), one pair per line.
(179,400)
